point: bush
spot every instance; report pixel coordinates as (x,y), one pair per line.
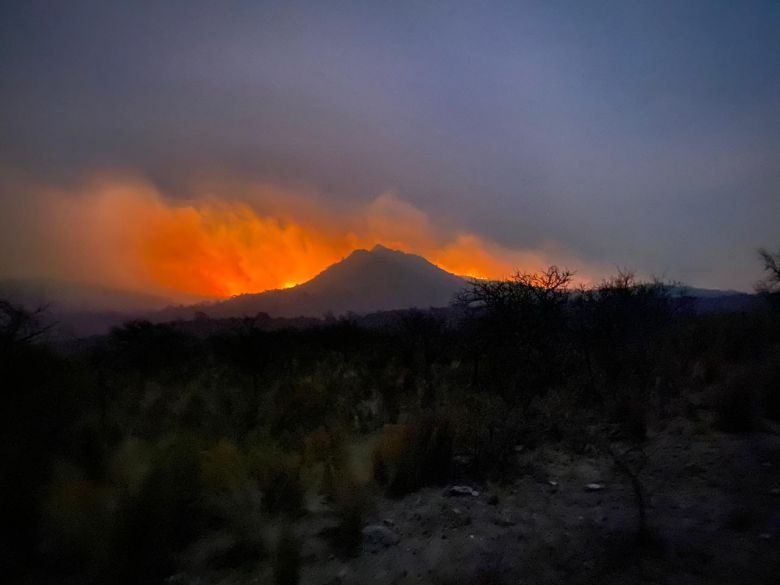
(351,505)
(414,455)
(630,412)
(237,537)
(287,562)
(486,431)
(278,475)
(736,403)
(41,397)
(769,380)
(76,519)
(224,468)
(155,523)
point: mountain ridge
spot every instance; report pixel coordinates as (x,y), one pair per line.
(365,281)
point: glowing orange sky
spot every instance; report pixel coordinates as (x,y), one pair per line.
(124,233)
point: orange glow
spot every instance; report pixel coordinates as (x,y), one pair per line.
(126,234)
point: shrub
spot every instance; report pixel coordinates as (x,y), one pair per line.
(287,562)
(630,412)
(750,391)
(76,518)
(415,455)
(223,467)
(485,432)
(278,475)
(769,379)
(237,539)
(154,524)
(351,505)
(736,403)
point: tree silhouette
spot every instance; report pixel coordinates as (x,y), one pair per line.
(771,282)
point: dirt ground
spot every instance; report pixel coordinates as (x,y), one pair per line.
(713,506)
(713,509)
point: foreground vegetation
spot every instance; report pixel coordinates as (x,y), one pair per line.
(185,448)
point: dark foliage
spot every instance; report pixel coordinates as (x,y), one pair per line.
(162,448)
(287,562)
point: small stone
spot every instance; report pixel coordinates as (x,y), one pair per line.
(775,491)
(552,482)
(461,490)
(594,487)
(765,536)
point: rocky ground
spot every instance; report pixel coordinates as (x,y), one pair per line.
(713,508)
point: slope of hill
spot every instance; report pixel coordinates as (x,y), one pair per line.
(62,296)
(76,309)
(379,279)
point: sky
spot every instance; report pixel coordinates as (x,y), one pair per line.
(213,148)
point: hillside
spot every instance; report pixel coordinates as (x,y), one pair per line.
(379,279)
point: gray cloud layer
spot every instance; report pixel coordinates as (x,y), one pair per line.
(644,134)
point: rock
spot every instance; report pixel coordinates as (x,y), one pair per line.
(775,491)
(594,487)
(461,490)
(377,536)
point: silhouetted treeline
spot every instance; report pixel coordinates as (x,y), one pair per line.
(156,449)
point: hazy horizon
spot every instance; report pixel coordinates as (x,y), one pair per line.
(191,149)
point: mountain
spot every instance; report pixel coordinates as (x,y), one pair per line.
(723,301)
(379,279)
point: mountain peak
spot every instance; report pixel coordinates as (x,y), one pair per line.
(365,281)
(381,249)
(378,253)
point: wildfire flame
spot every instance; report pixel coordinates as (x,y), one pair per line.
(125,233)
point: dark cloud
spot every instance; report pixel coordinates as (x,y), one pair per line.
(644,134)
